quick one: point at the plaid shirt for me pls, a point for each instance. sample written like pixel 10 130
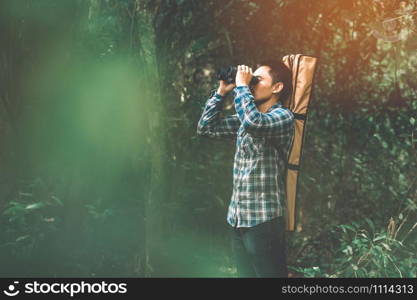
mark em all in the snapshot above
pixel 263 142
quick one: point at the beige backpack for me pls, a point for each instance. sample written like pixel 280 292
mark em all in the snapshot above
pixel 303 68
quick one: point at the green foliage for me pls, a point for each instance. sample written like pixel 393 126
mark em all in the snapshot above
pixel 30 219
pixel 373 254
pixel 360 250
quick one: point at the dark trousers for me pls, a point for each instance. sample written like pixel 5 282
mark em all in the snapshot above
pixel 260 251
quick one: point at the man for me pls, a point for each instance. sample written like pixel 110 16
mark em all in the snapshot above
pixel 264 131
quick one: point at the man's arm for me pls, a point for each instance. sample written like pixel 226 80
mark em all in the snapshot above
pixel 278 123
pixel 210 123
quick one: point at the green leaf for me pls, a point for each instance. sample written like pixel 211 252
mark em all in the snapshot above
pixel 412 121
pixel 35 205
pixel 378 238
pixel 364 235
pixel 386 246
pixel 25 194
pixel 21 238
pixel 349 227
pixel 371 225
pixel 57 200
pixel 394 192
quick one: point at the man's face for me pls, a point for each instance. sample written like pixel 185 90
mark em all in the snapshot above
pixel 264 90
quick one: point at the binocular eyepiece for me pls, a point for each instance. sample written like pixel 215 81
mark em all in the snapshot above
pixel 228 74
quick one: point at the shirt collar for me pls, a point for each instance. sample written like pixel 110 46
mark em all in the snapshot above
pixel 276 105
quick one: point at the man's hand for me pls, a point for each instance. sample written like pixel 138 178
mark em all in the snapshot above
pixel 224 88
pixel 243 75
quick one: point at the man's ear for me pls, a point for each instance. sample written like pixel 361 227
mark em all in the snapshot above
pixel 277 87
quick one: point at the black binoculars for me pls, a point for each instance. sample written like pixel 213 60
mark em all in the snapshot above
pixel 229 75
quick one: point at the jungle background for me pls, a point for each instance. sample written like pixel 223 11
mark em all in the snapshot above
pixel 103 175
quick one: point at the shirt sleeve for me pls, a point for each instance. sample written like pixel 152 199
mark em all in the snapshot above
pixel 278 123
pixel 212 125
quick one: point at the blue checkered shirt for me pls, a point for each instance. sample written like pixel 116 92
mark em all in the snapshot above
pixel 263 142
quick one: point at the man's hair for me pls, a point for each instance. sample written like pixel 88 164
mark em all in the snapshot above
pixel 279 73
